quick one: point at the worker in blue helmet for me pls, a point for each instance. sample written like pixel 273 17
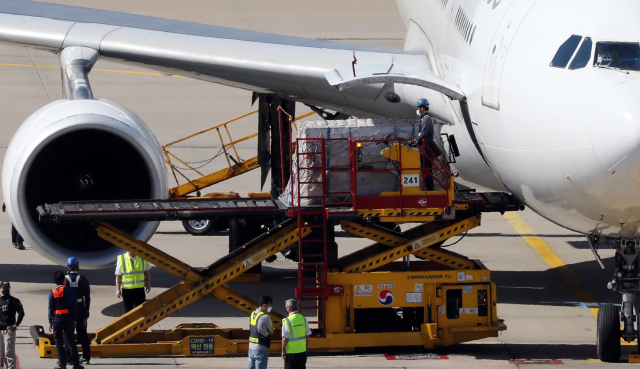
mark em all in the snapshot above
pixel 80 284
pixel 424 140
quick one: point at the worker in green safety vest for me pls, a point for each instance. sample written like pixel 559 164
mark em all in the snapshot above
pixel 295 337
pixel 132 279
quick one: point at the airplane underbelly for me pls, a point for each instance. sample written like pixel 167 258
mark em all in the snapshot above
pixel 571 188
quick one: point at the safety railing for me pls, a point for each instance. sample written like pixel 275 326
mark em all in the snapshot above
pixel 191 172
pixel 226 147
pixel 324 175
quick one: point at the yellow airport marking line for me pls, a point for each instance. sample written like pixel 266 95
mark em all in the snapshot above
pixel 591 361
pixel 96 70
pixel 552 259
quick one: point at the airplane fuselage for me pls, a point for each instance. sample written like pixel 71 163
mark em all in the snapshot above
pixel 563 139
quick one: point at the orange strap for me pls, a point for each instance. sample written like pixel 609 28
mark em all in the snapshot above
pixel 58 293
pixel 59 312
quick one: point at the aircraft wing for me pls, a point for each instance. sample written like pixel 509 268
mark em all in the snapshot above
pixel 293 67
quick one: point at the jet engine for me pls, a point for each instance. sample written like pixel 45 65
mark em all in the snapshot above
pixel 75 150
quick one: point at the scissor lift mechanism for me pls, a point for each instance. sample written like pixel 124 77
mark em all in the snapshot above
pixel 452 297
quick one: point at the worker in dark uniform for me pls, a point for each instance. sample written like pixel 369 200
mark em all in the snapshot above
pixel 63 311
pixel 425 138
pixel 10 306
pixel 80 284
pixel 16 239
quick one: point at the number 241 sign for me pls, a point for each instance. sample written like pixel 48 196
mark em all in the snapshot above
pixel 409 180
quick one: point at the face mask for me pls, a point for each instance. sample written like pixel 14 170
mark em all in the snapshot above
pixel 269 309
pixel 418 112
pixel 5 292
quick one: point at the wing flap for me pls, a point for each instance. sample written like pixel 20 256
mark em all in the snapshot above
pixel 358 75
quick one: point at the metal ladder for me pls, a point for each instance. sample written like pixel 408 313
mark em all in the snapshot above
pixel 312 290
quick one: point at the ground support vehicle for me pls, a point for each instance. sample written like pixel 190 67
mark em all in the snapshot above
pixel 402 290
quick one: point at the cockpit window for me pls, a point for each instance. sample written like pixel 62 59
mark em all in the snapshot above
pixel 618 55
pixel 565 52
pixel 583 55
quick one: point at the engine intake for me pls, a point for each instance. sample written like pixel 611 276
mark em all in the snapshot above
pixel 74 151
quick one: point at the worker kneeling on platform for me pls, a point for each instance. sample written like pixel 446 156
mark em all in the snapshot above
pixel 132 278
pixel 63 312
pixel 260 328
pixel 10 306
pixel 295 336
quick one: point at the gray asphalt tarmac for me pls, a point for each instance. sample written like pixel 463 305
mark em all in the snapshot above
pixel 546 282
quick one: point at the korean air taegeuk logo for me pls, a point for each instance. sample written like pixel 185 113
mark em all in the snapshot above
pixel 385 297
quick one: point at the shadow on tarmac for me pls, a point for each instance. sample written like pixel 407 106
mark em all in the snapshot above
pixel 547 288
pixel 106 276
pixel 279 283
pixel 516 235
pixel 580 245
pixel 514 287
pixel 274 283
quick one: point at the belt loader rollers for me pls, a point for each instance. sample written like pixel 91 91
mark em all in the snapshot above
pixel 374 297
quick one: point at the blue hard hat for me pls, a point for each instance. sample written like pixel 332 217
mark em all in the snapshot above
pixel 422 102
pixel 72 261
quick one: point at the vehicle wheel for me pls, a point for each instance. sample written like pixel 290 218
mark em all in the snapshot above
pixel 198 227
pixel 608 337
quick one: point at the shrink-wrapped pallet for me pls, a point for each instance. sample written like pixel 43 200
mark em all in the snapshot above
pixel 337 158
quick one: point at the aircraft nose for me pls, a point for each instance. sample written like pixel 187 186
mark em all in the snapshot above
pixel 615 131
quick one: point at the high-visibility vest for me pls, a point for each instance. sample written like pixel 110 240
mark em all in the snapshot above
pixel 61 306
pixel 297 328
pixel 254 334
pixel 132 273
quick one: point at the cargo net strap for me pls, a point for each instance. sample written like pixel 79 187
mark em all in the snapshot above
pixel 307 159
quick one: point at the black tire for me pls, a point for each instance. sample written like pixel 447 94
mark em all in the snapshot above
pixel 199 227
pixel 608 336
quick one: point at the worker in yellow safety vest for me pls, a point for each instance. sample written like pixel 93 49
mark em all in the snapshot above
pixel 132 279
pixel 259 330
pixel 295 337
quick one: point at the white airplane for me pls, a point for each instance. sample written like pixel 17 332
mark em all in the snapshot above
pixel 539 94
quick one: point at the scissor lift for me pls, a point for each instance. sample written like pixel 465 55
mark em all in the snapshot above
pixel 375 297
pixel 126 335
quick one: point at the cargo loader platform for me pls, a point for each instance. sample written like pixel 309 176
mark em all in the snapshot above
pixel 402 290
pixel 159 210
pixel 467 202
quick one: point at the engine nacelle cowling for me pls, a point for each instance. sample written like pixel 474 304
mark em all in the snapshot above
pixel 74 151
